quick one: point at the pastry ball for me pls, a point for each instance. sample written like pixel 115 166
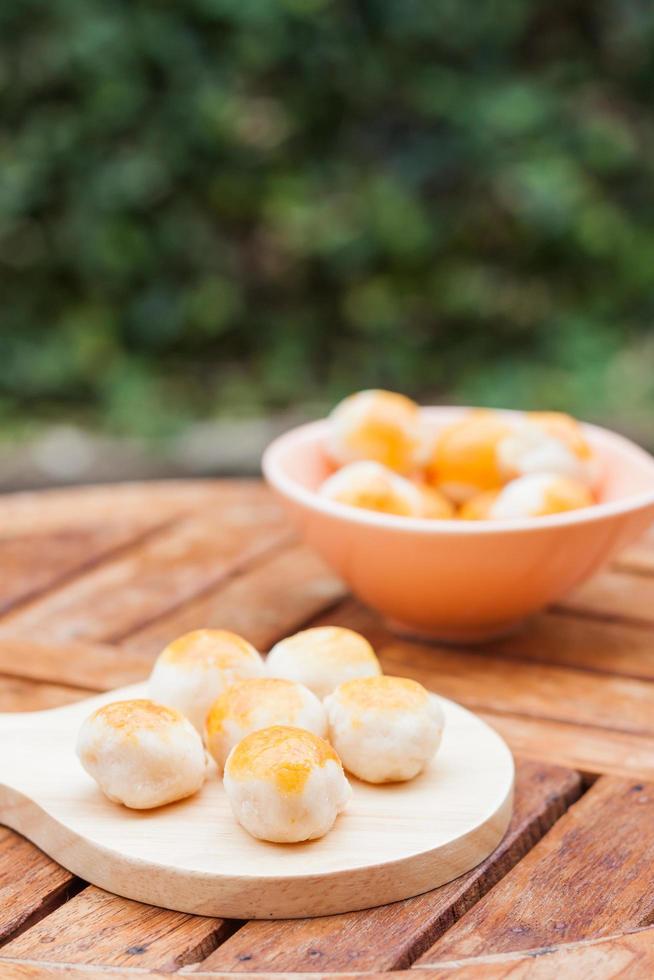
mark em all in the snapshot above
pixel 375 425
pixel 285 784
pixel 464 461
pixel 539 494
pixel 564 428
pixel 141 753
pixel 385 729
pixel 435 505
pixel 194 669
pixel 535 495
pixel 478 507
pixel 372 486
pixel 258 703
pixel 546 442
pixel 322 658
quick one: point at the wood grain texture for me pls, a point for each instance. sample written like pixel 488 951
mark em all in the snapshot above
pixel 615 595
pixel 263 604
pixel 388 938
pixel 638 557
pixel 31 564
pixel 11 969
pixel 98 928
pixel 574 641
pixel 590 876
pixel 192 856
pixel 30 883
pixel 588 748
pixel 18 694
pixel 168 569
pixel 136 504
pixel 91 666
pixel 626 956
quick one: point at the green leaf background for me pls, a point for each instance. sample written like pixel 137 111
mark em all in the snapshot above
pixel 231 206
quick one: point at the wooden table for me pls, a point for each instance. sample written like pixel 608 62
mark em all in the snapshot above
pixel 95 581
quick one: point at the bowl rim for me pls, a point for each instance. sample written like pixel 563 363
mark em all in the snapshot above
pixel 276 476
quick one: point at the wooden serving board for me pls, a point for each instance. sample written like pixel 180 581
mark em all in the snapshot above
pixel 393 841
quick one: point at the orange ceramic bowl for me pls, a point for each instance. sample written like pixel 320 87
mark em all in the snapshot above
pixel 462 580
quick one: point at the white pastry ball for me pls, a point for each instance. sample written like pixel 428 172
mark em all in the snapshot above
pixel 141 753
pixel 322 658
pixel 285 784
pixel 372 486
pixel 376 425
pixel 535 447
pixel 537 495
pixel 194 669
pixel 464 460
pixel 385 729
pixel 261 702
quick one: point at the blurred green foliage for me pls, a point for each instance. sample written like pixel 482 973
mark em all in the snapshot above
pixel 241 204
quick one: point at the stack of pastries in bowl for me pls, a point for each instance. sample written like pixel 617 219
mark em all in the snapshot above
pixel 487 465
pixel 280 732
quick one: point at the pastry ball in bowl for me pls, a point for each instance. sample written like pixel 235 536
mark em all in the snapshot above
pixel 373 486
pixel 322 658
pixel 141 753
pixel 285 784
pixel 385 729
pixel 535 495
pixel 195 668
pixel 376 425
pixel 261 702
pixel 548 442
pixel 434 504
pixel 465 459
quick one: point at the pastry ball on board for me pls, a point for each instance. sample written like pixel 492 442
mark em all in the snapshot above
pixel 322 658
pixel 375 425
pixel 464 461
pixel 261 702
pixel 547 442
pixel 141 753
pixel 285 784
pixel 385 729
pixel 195 668
pixel 539 494
pixel 372 486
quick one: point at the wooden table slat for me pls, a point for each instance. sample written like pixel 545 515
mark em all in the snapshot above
pixel 615 595
pixel 21 694
pixel 30 883
pixel 589 748
pixel 568 640
pixel 89 666
pixel 590 876
pixel 627 956
pixel 31 565
pixel 97 928
pixel 263 604
pixel 135 504
pixel 169 568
